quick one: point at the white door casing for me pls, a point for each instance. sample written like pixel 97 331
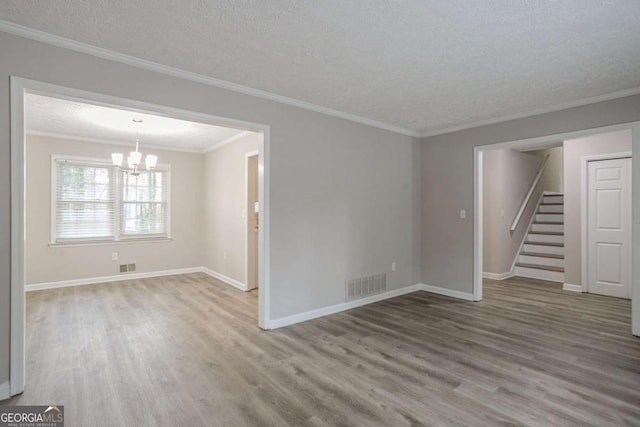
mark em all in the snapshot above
pixel 609 227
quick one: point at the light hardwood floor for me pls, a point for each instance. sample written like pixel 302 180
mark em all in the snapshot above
pixel 186 351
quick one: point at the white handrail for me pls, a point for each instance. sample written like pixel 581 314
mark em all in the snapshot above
pixel 529 193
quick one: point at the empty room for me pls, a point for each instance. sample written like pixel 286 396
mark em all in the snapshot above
pixel 302 213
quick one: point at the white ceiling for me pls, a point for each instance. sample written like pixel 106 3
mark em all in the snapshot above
pixel 54 116
pixel 422 65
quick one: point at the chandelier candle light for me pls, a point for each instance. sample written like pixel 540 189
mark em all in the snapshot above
pixel 135 157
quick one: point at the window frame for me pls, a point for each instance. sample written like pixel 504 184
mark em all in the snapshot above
pixel 117 194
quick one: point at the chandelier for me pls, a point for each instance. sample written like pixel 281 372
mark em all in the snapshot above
pixel 135 157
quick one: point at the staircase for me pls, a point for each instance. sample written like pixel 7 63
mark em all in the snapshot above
pixel 542 253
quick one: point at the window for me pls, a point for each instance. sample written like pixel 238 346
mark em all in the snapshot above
pixel 95 202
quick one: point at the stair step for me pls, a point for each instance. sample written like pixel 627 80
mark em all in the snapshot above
pixel 548 223
pixel 547 233
pixel 551 204
pixel 541 267
pixel 542 255
pixel 560 245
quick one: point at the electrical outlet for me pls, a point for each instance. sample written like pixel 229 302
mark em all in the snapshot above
pixel 114 256
pixel 394 266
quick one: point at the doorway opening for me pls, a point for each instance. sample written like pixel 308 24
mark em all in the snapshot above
pixel 542 212
pixel 159 213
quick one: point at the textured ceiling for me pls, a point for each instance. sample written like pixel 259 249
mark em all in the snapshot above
pixel 53 116
pixel 422 65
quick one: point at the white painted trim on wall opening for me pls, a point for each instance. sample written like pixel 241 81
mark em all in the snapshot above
pixel 540 142
pixel 584 214
pixel 18 88
pixel 247 216
pixel 5 390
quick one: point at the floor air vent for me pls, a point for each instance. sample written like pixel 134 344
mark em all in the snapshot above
pixel 365 286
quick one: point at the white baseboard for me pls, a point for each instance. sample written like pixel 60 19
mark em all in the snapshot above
pixel 5 390
pixel 572 288
pixel 228 280
pixel 497 276
pixel 447 292
pixel 336 308
pixel 106 279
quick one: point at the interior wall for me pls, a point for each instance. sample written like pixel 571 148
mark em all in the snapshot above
pixel 552 178
pixel 574 150
pixel 51 264
pixel 448 181
pixel 508 175
pixel 344 199
pixel 225 207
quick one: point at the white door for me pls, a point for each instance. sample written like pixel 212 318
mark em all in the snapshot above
pixel 609 228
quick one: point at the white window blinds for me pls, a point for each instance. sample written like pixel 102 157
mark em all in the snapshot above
pixel 144 209
pixel 84 201
pixel 93 201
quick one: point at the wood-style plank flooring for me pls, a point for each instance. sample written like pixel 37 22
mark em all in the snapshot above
pixel 186 351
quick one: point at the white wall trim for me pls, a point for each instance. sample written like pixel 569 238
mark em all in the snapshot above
pixel 579 103
pixel 5 390
pixel 447 292
pixel 65 43
pixel 226 279
pixel 539 142
pixel 497 276
pixel 248 214
pixel 227 141
pixel 584 208
pixel 107 142
pixel 108 279
pixel 572 288
pixel 635 230
pixel 343 306
pixel 18 88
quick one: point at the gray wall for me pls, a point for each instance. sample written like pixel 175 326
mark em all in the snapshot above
pixel 345 197
pixel 574 149
pixel 224 199
pixel 447 182
pixel 508 175
pixel 553 176
pixel 52 264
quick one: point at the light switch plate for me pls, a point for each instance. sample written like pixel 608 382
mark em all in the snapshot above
pixel 463 214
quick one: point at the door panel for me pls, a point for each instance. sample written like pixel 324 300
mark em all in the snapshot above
pixel 609 228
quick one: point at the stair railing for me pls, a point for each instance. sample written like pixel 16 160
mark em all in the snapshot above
pixel 532 188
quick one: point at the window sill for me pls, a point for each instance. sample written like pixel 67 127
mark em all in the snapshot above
pixel 111 242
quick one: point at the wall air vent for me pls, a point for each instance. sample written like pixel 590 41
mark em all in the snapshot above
pixel 365 286
pixel 127 268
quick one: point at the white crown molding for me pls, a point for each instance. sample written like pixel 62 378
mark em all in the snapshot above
pixel 54 40
pixel 531 113
pixel 106 141
pixel 228 141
